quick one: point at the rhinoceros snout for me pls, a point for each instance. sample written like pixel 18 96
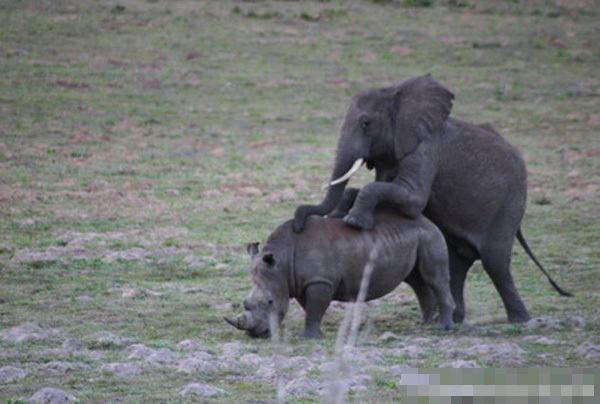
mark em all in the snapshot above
pixel 244 321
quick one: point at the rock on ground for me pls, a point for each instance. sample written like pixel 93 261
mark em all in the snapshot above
pixel 460 364
pixel 251 359
pixel 191 345
pixel 193 365
pixel 124 370
pixel 203 390
pixel 108 339
pixel 50 395
pixel 388 335
pixel 11 373
pixel 588 350
pixel 301 387
pixel 63 366
pixel 26 332
pixel 544 323
pixel 508 354
pixel 231 349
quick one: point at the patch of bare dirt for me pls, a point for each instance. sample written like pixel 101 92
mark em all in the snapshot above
pixel 27 332
pixel 50 395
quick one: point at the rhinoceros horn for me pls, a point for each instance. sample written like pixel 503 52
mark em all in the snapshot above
pixel 243 321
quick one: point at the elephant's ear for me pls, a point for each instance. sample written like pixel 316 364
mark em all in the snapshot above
pixel 420 106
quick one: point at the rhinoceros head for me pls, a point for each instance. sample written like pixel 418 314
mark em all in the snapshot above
pixel 268 302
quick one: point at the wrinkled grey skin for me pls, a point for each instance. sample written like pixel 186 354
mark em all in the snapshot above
pixel 466 179
pixel 326 263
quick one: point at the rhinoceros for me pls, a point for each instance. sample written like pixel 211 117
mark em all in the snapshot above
pixel 326 262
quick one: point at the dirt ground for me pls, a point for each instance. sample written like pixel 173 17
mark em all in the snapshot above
pixel 143 143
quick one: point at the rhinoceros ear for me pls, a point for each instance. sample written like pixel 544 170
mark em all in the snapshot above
pixel 269 259
pixel 252 249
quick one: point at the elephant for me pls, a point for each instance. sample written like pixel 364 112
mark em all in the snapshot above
pixel 328 262
pixel 465 178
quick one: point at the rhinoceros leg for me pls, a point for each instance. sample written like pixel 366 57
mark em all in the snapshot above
pixel 317 297
pixel 424 294
pixel 434 269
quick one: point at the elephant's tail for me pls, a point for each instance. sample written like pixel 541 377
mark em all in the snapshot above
pixel 525 246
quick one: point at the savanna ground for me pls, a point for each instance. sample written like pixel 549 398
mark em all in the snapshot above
pixel 143 143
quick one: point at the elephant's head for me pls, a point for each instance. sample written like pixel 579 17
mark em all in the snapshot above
pixel 382 126
pixel 268 302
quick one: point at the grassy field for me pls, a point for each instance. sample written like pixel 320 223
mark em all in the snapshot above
pixel 144 142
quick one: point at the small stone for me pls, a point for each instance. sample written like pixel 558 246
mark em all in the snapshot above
pixel 502 348
pixel 412 351
pixel 26 332
pixel 124 370
pixel 138 351
pixel 222 305
pixel 49 395
pixel 249 191
pixel 201 355
pixel 301 387
pixel 106 339
pixel 73 343
pixel 63 366
pixel 232 349
pixel 191 345
pixel 388 335
pixel 460 364
pixel 397 370
pixel 162 357
pixel 228 365
pixel 203 390
pixel 193 365
pixel 11 373
pixel 588 350
pixel 267 370
pixel 211 193
pixel 543 323
pixel 251 359
pixel 547 341
pixel 575 321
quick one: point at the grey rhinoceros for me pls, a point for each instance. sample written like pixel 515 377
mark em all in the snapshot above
pixel 327 260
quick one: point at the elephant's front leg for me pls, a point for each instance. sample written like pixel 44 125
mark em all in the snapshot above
pixel 409 203
pixel 345 204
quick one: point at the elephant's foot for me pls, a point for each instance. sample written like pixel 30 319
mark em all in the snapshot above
pixel 458 316
pixel 446 325
pixel 362 222
pixel 307 333
pixel 336 214
pixel 521 317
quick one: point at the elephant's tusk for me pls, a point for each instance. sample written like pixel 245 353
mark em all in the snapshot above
pixel 359 162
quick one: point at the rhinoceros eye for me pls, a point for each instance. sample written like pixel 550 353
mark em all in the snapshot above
pixel 269 259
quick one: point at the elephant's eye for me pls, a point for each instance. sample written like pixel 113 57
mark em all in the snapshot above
pixel 364 124
pixel 270 302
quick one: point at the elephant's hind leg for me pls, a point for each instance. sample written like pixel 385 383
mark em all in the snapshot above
pixel 459 266
pixel 495 258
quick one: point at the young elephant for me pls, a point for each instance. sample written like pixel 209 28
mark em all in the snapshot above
pixel 326 262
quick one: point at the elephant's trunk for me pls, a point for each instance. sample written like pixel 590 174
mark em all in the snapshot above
pixel 346 165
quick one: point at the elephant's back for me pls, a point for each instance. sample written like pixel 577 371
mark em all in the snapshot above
pixel 481 181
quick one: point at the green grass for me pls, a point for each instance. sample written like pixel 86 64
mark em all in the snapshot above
pixel 181 130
